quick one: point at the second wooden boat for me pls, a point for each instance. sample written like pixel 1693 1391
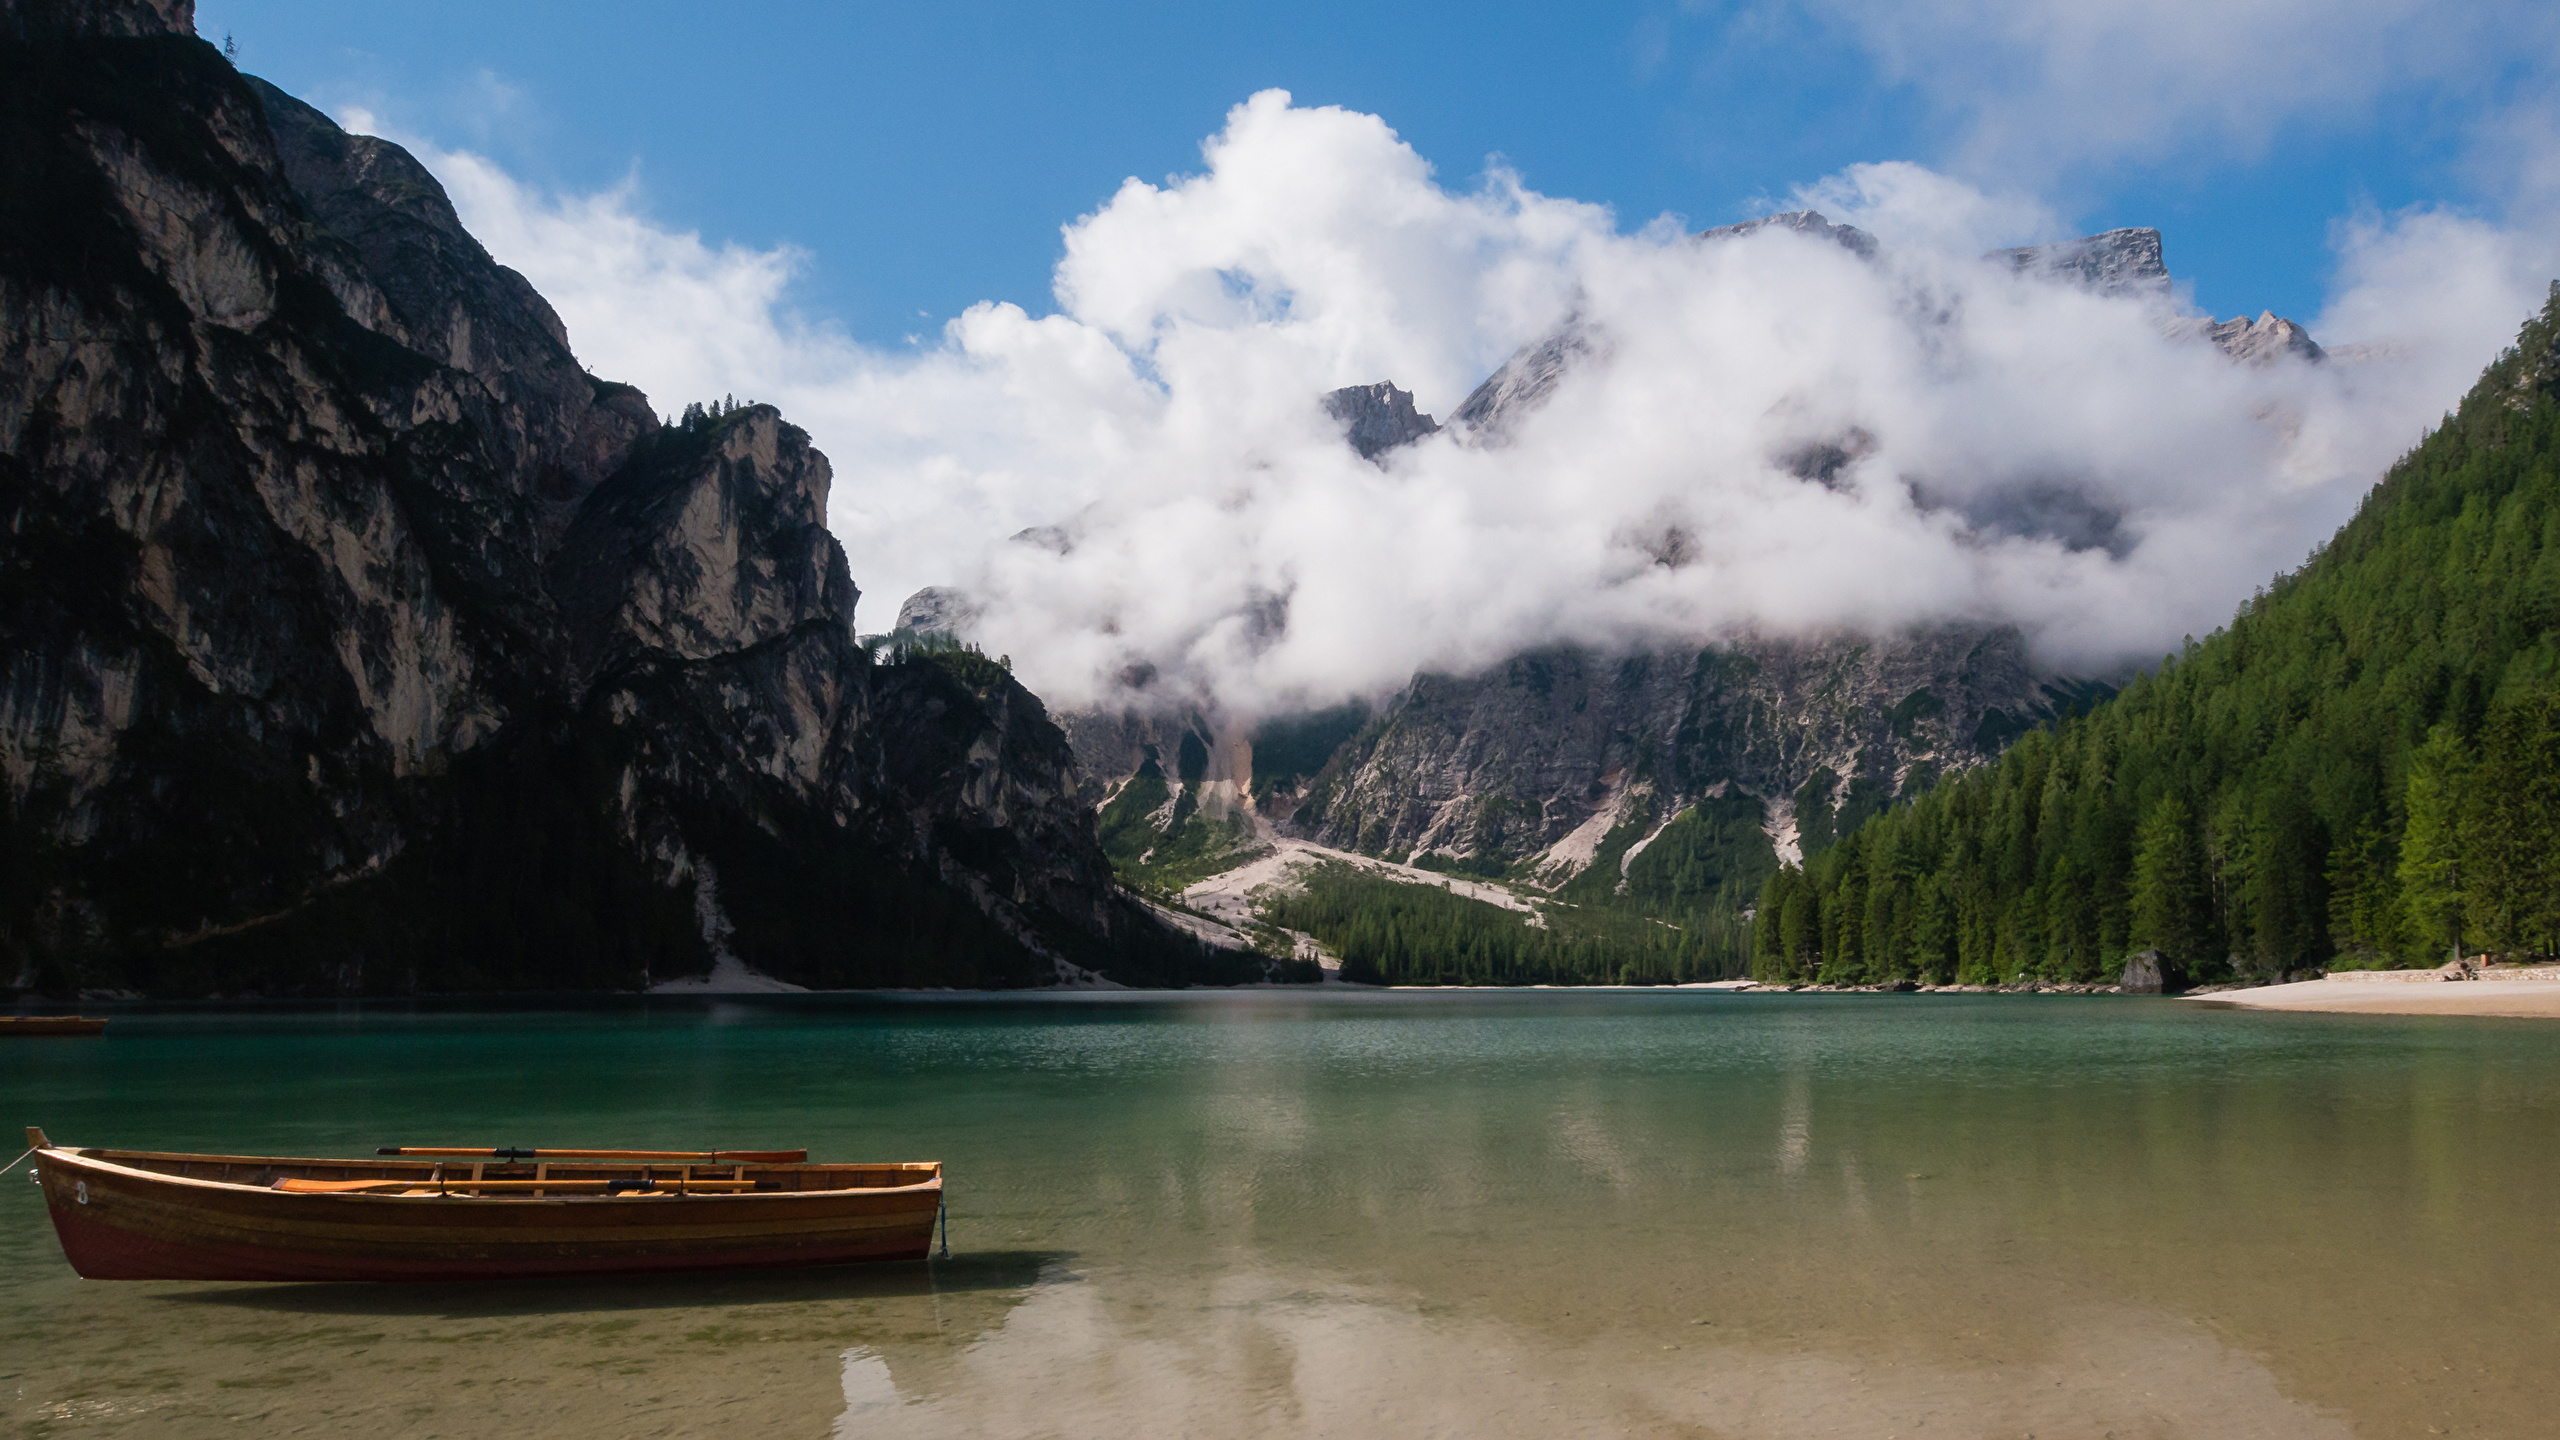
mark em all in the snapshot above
pixel 474 1215
pixel 50 1025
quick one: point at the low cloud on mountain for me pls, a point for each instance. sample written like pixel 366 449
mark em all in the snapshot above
pixel 1991 445
pixel 2041 87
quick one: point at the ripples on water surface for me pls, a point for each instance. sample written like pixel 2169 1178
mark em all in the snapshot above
pixel 1479 1214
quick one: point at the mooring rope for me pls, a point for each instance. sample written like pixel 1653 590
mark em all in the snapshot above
pixel 942 1213
pixel 23 1154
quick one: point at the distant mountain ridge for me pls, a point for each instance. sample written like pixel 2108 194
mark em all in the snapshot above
pixel 1559 764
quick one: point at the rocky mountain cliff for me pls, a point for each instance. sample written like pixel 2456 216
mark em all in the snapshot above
pixel 356 639
pixel 1378 418
pixel 1561 757
pixel 2130 261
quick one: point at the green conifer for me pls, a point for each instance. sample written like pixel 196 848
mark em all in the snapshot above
pixel 2431 878
pixel 2171 901
pixel 2511 827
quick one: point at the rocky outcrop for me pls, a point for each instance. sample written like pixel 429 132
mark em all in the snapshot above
pixel 2112 262
pixel 356 639
pixel 441 295
pixel 1524 382
pixel 1378 418
pixel 1544 757
pixel 1111 745
pixel 1808 223
pixel 2148 972
pixel 938 610
pixel 2263 341
pixel 711 541
pixel 2132 262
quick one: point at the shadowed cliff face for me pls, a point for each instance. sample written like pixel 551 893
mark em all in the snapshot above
pixel 356 639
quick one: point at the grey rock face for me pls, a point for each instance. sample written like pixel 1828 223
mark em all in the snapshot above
pixel 1111 744
pixel 2131 262
pixel 1523 383
pixel 1506 764
pixel 1378 418
pixel 356 639
pixel 2069 514
pixel 2263 341
pixel 440 294
pixel 938 610
pixel 715 543
pixel 2113 262
pixel 2147 972
pixel 1803 222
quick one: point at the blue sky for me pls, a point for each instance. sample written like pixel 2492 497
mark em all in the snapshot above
pixel 925 157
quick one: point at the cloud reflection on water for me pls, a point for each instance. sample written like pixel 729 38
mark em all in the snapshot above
pixel 1271 1355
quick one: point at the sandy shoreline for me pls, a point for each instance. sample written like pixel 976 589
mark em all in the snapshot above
pixel 2529 999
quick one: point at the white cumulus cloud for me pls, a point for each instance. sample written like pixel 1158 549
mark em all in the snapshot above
pixel 2038 86
pixel 2006 448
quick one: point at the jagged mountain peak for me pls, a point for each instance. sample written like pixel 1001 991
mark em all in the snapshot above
pixel 2129 261
pixel 2132 262
pixel 2263 341
pixel 1809 223
pixel 2125 262
pixel 1378 418
pixel 1524 381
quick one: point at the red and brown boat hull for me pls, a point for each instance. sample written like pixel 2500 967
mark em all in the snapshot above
pixel 50 1025
pixel 119 1221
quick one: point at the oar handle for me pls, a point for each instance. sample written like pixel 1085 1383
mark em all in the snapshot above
pixel 696 1157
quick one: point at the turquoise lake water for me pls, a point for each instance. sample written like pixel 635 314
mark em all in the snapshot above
pixel 1461 1214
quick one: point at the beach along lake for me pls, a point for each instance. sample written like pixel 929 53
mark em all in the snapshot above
pixel 1407 1213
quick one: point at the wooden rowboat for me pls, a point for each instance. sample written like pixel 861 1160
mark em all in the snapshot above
pixel 506 1214
pixel 50 1025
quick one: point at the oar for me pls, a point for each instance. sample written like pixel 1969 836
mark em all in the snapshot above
pixel 696 1157
pixel 295 1185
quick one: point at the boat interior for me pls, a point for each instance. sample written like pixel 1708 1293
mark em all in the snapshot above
pixel 535 1178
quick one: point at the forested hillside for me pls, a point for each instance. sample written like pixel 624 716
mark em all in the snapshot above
pixel 2363 769
pixel 1390 933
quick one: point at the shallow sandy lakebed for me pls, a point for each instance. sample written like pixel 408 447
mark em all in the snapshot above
pixel 2537 999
